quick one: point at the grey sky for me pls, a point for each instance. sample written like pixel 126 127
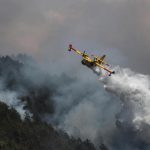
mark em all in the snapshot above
pixel 45 28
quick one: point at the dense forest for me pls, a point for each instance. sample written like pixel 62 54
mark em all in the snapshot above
pixel 16 134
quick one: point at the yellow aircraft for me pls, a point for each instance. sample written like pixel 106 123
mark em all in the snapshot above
pixel 89 62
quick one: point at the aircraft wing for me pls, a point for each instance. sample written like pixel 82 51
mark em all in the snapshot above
pixel 103 67
pixel 77 51
pixel 83 54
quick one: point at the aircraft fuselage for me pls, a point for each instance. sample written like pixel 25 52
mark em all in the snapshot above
pixel 87 63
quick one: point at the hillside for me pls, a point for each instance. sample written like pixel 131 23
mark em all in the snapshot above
pixel 16 134
pixel 34 91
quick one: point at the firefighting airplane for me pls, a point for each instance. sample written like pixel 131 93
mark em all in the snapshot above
pixel 89 62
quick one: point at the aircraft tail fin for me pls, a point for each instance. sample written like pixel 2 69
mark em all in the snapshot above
pixel 103 57
pixel 70 47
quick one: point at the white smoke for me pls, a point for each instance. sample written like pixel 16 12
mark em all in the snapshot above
pixel 11 98
pixel 133 90
pixel 82 109
pixel 88 111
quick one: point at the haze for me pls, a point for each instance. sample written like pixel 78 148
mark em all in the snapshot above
pixel 45 28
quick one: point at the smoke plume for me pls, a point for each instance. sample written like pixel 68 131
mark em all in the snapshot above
pixel 118 117
pixel 113 111
pixel 133 120
pixel 12 100
pixel 133 90
pixel 24 86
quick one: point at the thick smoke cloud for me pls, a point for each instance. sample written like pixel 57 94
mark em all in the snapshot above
pixel 134 91
pixel 82 109
pixel 116 114
pixel 24 86
pixel 118 117
pixel 44 28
